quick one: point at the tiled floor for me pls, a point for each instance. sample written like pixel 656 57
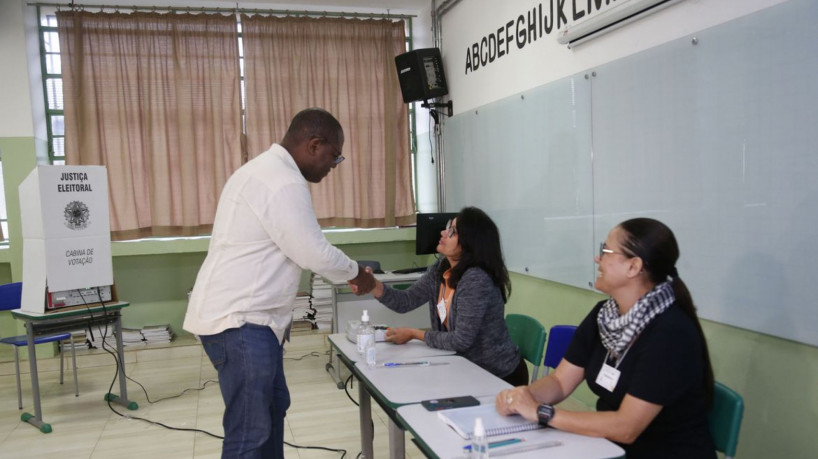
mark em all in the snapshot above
pixel 84 427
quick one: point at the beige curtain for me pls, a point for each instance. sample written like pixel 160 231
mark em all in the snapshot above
pixel 156 99
pixel 347 67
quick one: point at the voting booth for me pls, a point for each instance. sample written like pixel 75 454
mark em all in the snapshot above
pixel 66 238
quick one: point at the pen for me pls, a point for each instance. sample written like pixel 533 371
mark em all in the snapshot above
pixel 495 444
pixel 407 364
pixel 526 447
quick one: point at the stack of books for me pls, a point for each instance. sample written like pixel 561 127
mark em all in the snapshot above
pixel 322 302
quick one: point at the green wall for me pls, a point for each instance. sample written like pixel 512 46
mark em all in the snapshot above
pixel 156 285
pixel 777 378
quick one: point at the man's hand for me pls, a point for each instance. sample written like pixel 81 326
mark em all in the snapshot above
pixel 364 282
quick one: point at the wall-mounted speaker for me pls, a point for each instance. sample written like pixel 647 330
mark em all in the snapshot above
pixel 420 73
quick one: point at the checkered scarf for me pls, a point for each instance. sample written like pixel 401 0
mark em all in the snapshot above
pixel 617 331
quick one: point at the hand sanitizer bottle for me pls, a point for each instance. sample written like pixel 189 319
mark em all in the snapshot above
pixel 365 333
pixel 371 359
pixel 479 443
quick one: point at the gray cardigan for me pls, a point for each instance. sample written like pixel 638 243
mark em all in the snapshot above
pixel 476 318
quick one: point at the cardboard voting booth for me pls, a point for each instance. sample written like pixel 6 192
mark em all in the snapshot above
pixel 66 234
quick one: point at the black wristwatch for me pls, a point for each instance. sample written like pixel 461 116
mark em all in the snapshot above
pixel 545 413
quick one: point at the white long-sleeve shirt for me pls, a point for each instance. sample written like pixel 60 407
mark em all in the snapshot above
pixel 264 233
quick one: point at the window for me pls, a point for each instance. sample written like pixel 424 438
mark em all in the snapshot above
pixel 52 89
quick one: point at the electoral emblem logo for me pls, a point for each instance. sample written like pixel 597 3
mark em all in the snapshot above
pixel 77 215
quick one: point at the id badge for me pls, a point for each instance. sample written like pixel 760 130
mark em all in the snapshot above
pixel 608 377
pixel 441 310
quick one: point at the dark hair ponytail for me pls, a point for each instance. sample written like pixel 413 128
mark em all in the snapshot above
pixel 653 242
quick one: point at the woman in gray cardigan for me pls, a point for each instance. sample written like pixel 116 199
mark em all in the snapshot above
pixel 466 290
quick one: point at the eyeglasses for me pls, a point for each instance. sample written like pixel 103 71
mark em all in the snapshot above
pixel 337 158
pixel 450 229
pixel 603 250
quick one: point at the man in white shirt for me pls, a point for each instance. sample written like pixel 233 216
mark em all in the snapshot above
pixel 264 234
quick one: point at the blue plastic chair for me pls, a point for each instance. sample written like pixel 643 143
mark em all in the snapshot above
pixel 559 337
pixel 725 419
pixel 10 297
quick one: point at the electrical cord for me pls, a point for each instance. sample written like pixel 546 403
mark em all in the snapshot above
pixel 346 390
pixel 311 354
pixel 322 448
pixel 147 397
pixel 431 148
pixel 106 348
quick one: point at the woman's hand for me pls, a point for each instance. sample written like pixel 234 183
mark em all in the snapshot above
pixel 517 401
pixel 401 335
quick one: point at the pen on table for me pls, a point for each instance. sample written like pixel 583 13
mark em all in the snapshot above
pixel 407 364
pixel 526 447
pixel 495 444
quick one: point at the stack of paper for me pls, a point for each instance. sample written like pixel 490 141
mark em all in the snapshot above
pixel 322 302
pixel 94 337
pixel 132 337
pixel 80 338
pixel 303 313
pixel 157 334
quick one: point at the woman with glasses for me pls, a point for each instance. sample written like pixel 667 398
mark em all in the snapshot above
pixel 466 290
pixel 642 351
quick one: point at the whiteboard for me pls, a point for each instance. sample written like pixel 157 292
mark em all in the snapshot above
pixel 718 139
pixel 525 160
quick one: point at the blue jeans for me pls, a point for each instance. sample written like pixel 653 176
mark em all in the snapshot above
pixel 251 377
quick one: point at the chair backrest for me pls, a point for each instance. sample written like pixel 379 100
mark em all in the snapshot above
pixel 559 337
pixel 529 335
pixel 725 418
pixel 10 296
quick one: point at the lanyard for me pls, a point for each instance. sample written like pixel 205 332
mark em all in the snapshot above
pixel 622 357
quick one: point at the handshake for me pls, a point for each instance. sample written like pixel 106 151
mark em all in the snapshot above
pixel 365 283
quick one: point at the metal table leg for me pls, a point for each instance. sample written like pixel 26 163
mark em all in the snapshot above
pixel 333 369
pixel 397 441
pixel 365 413
pixel 37 419
pixel 122 399
pixel 74 362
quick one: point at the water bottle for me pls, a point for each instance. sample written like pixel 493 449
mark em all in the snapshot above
pixel 366 332
pixel 479 442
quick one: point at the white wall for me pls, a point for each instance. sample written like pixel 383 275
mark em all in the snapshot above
pixel 544 60
pixel 16 91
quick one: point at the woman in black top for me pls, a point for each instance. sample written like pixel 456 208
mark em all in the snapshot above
pixel 642 352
